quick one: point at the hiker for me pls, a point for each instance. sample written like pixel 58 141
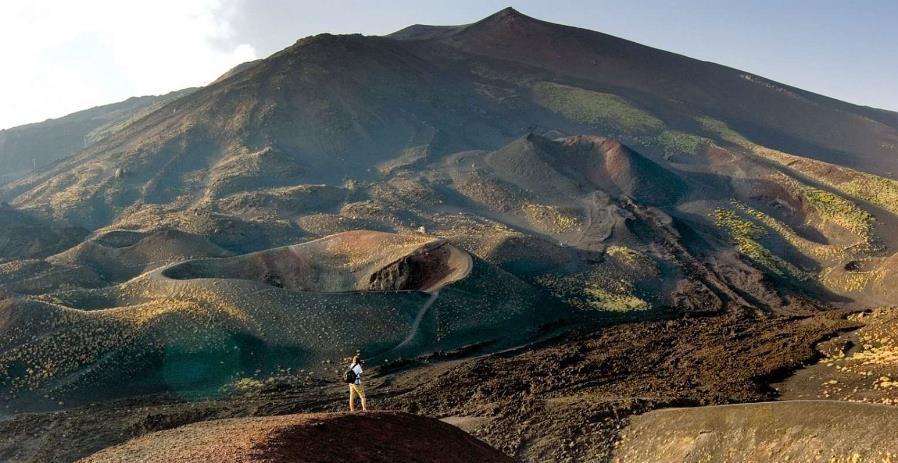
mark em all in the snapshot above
pixel 353 377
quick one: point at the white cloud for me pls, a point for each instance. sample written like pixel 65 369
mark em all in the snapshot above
pixel 60 56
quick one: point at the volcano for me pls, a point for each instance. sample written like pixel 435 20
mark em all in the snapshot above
pixel 534 228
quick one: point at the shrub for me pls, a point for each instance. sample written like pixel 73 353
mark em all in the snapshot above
pixel 595 108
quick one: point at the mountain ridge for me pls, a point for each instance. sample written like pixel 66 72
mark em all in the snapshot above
pixel 39 144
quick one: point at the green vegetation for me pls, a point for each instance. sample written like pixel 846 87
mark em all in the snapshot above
pixel 550 219
pixel 608 110
pixel 676 142
pixel 839 210
pixel 868 187
pixel 632 262
pixel 738 227
pixel 599 289
pixel 878 190
pixel 844 282
pixel 596 108
pixel 602 299
pixel 860 185
pixel 816 250
pixel 722 130
pixel 745 234
pixel 831 207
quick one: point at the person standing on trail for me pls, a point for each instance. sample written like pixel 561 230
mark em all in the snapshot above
pixel 353 377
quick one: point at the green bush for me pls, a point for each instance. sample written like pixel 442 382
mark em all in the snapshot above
pixel 676 142
pixel 596 108
pixel 745 234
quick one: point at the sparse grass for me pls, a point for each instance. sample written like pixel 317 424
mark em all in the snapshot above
pixel 839 210
pixel 597 289
pixel 868 373
pixel 486 189
pixel 861 185
pixel 676 142
pixel 736 226
pixel 633 262
pixel 245 385
pixel 844 282
pixel 406 191
pixel 817 251
pixel 878 190
pixel 722 130
pixel 868 187
pixel 625 255
pixel 602 299
pixel 550 219
pixel 745 234
pixel 260 382
pixel 477 235
pixel 596 108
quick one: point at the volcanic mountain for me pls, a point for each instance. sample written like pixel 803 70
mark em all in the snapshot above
pixel 584 211
pixel 331 108
pixel 763 110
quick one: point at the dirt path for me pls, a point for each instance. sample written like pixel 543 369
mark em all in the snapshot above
pixel 413 331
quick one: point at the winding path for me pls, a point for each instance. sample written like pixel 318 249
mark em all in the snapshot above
pixel 413 331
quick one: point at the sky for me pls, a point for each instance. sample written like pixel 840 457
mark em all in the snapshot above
pixel 63 56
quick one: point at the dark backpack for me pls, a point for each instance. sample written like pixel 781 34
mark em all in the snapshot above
pixel 349 376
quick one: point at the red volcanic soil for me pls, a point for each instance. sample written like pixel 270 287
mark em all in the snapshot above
pixel 314 438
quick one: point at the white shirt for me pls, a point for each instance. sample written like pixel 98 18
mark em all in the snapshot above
pixel 357 369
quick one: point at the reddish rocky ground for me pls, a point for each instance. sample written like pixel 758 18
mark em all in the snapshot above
pixel 315 438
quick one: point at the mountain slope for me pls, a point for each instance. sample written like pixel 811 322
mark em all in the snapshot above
pixel 466 130
pixel 331 108
pixel 40 144
pixel 25 236
pixel 327 108
pixel 775 114
pixel 615 228
pixel 342 132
